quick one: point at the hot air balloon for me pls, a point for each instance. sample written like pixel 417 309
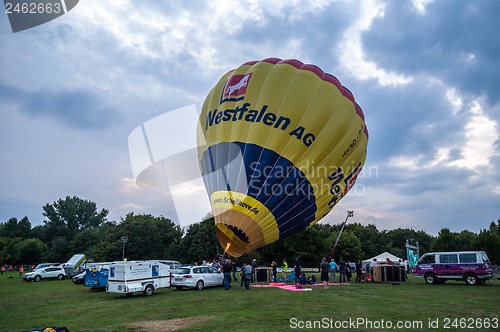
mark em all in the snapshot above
pixel 280 143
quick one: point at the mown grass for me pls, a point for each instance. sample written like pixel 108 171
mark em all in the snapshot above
pixel 61 303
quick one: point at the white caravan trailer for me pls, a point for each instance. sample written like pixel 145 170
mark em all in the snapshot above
pixel 138 276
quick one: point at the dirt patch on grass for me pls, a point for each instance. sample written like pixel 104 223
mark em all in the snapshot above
pixel 169 324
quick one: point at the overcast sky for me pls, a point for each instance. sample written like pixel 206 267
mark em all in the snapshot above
pixel 426 74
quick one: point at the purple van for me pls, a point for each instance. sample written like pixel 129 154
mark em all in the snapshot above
pixel 473 267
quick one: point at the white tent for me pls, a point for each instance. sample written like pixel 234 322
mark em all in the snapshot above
pixel 382 258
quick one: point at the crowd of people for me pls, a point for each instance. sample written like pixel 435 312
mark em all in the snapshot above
pixel 229 269
pixel 12 268
pixel 328 271
pixel 294 274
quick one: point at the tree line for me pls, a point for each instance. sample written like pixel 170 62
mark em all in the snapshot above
pixel 73 225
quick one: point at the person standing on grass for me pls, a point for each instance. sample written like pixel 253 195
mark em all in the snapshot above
pixel 248 275
pixel 274 265
pixel 372 266
pixel 348 270
pixel 254 265
pixel 324 268
pixel 358 271
pixel 284 270
pixel 233 269
pixel 297 269
pixel 333 270
pixel 242 275
pixel 21 271
pixel 226 269
pixel 342 270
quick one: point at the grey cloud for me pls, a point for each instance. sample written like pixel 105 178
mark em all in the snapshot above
pixel 410 120
pixel 440 43
pixel 78 108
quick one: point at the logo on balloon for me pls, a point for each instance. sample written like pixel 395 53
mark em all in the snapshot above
pixel 235 88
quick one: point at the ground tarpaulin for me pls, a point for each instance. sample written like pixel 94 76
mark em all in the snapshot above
pixel 293 288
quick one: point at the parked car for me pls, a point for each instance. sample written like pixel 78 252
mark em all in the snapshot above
pixel 79 279
pixel 197 277
pixel 172 264
pixel 51 272
pixel 42 265
pixel 473 267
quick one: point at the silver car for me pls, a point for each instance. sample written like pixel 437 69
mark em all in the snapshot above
pixel 51 272
pixel 197 277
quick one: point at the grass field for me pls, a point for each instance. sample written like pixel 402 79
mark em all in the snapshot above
pixel 373 306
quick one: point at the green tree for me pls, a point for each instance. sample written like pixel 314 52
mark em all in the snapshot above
pixel 495 228
pixel 445 241
pixel 394 241
pixel 465 240
pixel 66 217
pixel 59 250
pixel 40 232
pixel 85 239
pixel 14 228
pixel 149 237
pixel 308 245
pixel 349 246
pixel 371 240
pixel 489 241
pixel 31 251
pixel 200 242
pixel 7 250
pixel 424 241
pixel 105 251
pixel 274 252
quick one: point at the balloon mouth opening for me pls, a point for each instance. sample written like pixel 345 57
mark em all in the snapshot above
pixel 238 239
pixel 239 233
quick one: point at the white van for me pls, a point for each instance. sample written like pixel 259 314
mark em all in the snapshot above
pixel 473 267
pixel 138 276
pixel 173 264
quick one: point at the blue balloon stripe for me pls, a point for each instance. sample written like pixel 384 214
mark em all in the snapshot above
pixel 269 178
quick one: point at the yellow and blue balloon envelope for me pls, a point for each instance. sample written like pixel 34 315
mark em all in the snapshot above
pixel 280 143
